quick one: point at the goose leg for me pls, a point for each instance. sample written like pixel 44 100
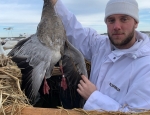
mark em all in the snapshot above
pixel 46 88
pixel 63 81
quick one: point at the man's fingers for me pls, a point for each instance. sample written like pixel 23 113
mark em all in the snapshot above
pixel 85 87
pixel 79 91
pixel 85 79
pixel 80 87
pixel 53 2
pixel 82 82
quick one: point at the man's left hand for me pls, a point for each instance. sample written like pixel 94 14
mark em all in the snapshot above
pixel 86 87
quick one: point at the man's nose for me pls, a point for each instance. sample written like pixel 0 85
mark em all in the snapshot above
pixel 117 25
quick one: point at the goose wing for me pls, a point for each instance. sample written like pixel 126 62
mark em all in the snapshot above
pixel 73 64
pixel 34 59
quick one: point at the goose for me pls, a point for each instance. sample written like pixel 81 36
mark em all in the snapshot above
pixel 10 44
pixel 38 54
pixel 2 51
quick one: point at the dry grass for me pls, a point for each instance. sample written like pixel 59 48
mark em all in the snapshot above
pixel 12 99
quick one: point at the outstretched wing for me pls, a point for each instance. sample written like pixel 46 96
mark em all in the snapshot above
pixel 33 58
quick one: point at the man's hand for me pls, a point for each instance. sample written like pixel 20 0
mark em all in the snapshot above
pixel 85 87
pixel 53 1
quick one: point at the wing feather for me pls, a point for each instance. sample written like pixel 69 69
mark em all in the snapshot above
pixel 34 59
pixel 73 64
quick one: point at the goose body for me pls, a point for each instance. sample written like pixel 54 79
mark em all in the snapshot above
pixel 37 55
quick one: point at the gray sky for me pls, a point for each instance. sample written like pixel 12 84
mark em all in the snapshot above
pixel 24 15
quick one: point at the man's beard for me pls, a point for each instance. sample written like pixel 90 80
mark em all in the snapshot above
pixel 125 41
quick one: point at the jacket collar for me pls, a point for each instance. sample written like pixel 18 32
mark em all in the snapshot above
pixel 139 49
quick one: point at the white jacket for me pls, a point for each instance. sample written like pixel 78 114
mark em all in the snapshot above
pixel 122 77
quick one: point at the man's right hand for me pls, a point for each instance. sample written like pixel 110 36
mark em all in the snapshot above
pixel 53 1
pixel 86 87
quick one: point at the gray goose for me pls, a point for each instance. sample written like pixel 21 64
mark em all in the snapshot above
pixel 38 54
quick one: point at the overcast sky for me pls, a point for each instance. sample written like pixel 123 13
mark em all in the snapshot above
pixel 24 15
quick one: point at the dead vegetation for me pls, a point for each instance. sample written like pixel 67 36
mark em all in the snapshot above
pixel 12 99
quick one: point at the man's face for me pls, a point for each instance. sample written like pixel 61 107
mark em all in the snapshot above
pixel 121 30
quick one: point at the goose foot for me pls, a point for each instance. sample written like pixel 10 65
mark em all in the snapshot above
pixel 46 87
pixel 63 81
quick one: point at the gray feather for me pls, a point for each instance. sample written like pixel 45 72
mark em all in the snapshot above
pixel 38 54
